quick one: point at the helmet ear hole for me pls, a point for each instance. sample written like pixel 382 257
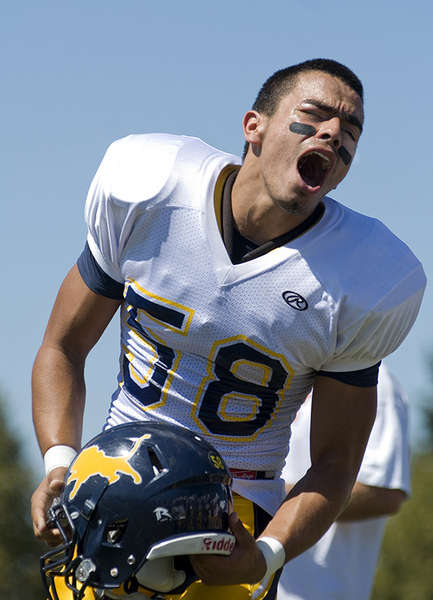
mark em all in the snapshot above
pixel 115 531
pixel 157 465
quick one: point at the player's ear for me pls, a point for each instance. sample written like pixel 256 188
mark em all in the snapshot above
pixel 253 127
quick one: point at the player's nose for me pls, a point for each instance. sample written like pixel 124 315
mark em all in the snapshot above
pixel 330 131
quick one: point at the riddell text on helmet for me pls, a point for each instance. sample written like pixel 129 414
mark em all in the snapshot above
pixel 223 545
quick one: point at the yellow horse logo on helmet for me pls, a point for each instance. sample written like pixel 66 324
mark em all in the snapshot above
pixel 93 461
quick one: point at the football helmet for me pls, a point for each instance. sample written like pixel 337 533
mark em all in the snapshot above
pixel 137 493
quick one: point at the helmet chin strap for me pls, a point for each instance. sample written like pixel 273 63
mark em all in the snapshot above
pixel 131 586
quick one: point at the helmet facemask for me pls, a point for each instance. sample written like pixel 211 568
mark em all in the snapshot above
pixel 62 561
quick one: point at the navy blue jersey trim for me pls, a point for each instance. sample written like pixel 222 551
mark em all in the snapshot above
pixel 95 278
pixel 162 313
pixel 362 378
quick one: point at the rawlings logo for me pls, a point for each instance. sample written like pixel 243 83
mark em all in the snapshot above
pixel 224 544
pixel 295 300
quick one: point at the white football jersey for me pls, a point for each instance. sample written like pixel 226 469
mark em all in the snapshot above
pixel 230 351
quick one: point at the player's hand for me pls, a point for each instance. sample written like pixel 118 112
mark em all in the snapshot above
pixel 245 564
pixel 50 487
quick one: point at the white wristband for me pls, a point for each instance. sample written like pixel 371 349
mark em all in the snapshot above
pixel 274 553
pixel 58 456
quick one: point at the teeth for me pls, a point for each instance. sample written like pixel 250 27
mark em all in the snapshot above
pixel 326 160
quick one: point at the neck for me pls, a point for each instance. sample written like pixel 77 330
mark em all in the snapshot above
pixel 257 215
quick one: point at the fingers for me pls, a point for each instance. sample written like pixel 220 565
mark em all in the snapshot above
pixel 244 565
pixel 211 568
pixel 52 537
pixel 56 487
pixel 39 500
pixel 237 528
pixel 49 488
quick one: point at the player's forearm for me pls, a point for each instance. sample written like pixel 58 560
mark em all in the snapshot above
pixel 311 506
pixel 58 391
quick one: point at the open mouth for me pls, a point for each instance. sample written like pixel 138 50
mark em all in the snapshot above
pixel 313 167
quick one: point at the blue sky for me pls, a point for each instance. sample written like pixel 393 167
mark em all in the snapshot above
pixel 76 76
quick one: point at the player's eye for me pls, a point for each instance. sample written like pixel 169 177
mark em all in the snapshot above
pixel 350 134
pixel 312 114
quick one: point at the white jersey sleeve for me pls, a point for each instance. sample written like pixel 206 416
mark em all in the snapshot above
pixel 384 287
pixel 134 170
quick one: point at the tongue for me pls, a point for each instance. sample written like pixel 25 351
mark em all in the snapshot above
pixel 310 169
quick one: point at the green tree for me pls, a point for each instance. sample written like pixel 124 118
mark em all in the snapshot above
pixel 19 550
pixel 405 569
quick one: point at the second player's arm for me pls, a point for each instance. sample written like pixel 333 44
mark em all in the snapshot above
pixel 369 502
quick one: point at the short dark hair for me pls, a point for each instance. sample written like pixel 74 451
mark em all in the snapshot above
pixel 283 81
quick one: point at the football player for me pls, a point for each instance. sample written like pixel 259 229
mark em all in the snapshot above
pixel 240 284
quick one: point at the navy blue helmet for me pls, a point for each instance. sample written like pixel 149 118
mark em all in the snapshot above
pixel 138 499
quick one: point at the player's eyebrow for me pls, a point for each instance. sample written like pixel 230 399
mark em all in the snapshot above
pixel 332 111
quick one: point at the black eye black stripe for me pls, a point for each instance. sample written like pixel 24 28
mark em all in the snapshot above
pixel 304 129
